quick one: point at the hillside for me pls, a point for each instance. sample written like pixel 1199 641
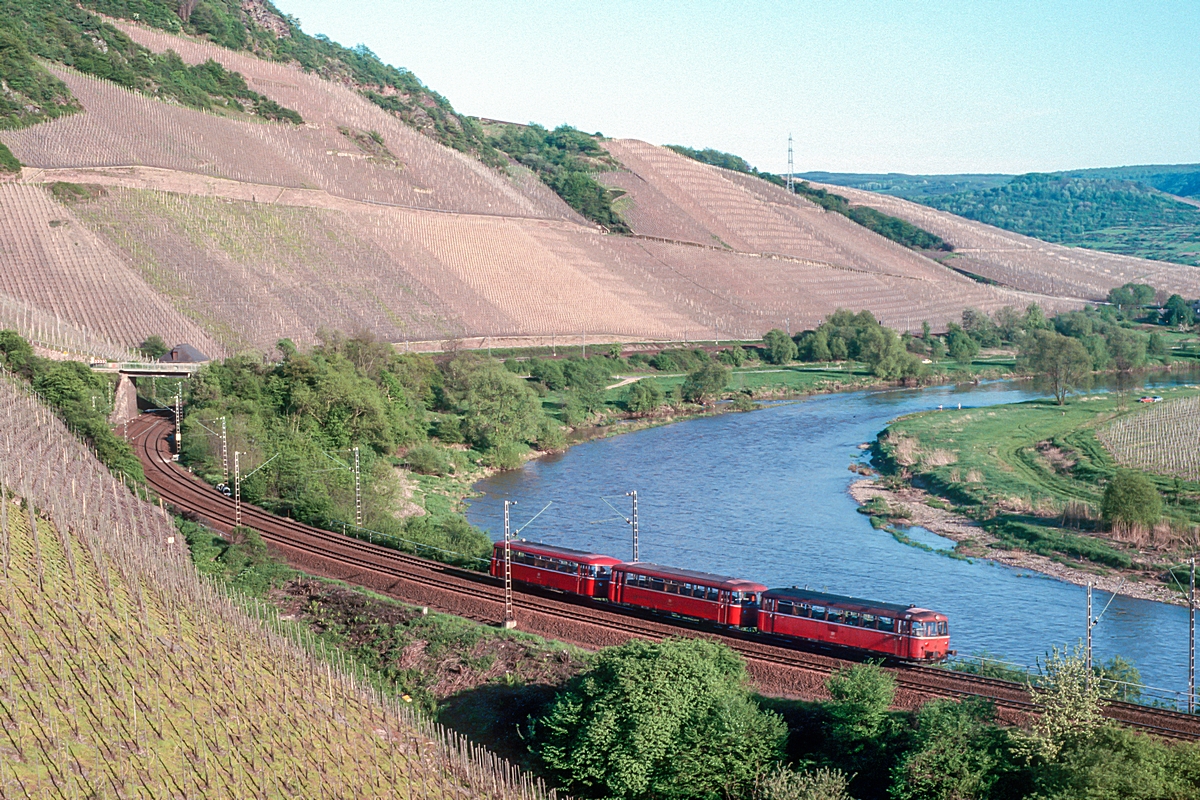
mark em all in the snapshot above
pixel 122 674
pixel 1116 216
pixel 1028 264
pixel 233 231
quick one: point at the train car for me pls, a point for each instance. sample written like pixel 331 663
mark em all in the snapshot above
pixel 701 595
pixel 905 632
pixel 574 571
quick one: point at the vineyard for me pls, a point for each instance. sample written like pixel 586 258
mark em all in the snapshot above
pixel 124 128
pixel 1030 264
pixel 68 290
pixel 125 675
pixel 1164 438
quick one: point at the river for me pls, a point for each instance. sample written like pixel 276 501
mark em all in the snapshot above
pixel 763 495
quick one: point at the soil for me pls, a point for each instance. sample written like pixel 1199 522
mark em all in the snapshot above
pixel 975 542
pixel 403 639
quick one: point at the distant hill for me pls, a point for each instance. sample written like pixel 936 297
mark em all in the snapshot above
pixel 1182 180
pixel 1127 210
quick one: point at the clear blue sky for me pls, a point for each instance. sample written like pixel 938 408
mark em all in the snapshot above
pixel 979 86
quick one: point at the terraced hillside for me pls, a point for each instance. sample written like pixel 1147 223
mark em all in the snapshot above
pixel 234 233
pixel 65 287
pixel 122 675
pixel 1028 264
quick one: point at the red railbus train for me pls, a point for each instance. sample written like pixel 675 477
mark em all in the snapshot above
pixel 701 595
pixel 907 632
pixel 903 632
pixel 574 571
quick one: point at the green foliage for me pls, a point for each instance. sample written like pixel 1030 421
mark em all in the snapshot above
pixel 956 751
pixel 961 346
pixel 154 347
pixel 233 24
pixel 34 95
pixel 59 31
pixel 819 784
pixel 860 337
pixel 672 719
pixel 1071 705
pixel 241 560
pixel 1131 295
pixel 79 396
pixel 643 397
pixel 858 711
pixel 426 459
pixel 1117 215
pixel 1115 763
pixel 1131 498
pixel 1060 360
pixel 778 347
pixel 565 160
pixel 496 407
pixel 706 383
pixel 898 230
pixel 732 356
pixel 8 162
pixel 1178 312
pixel 1047 540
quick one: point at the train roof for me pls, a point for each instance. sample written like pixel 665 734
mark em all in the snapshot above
pixel 560 552
pixel 706 578
pixel 847 602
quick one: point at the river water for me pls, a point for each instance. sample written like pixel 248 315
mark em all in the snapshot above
pixel 763 495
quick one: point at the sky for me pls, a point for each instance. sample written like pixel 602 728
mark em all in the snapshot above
pixel 916 87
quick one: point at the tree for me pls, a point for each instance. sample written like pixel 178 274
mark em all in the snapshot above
pixel 154 347
pixel 497 407
pixel 820 784
pixel 1072 703
pixel 881 349
pixel 707 382
pixel 643 396
pixel 1131 498
pixel 1178 312
pixel 671 719
pixel 778 347
pixel 1157 345
pixel 1060 360
pixel 814 346
pixel 1131 295
pixel 1128 349
pixel 956 752
pixel 960 345
pixel 861 697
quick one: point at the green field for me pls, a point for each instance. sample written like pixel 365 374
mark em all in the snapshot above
pixel 1034 473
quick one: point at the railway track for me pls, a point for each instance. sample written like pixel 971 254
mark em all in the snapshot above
pixel 783 670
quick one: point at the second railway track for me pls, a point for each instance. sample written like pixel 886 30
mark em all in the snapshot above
pixel 776 670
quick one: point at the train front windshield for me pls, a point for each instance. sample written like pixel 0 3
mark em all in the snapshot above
pixel 930 629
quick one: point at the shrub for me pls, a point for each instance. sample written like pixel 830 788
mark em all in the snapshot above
pixel 643 396
pixel 778 347
pixel 429 460
pixel 1131 498
pixel 706 383
pixel 509 455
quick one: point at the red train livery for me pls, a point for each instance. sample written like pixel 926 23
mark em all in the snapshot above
pixel 903 632
pixel 701 595
pixel 907 632
pixel 562 568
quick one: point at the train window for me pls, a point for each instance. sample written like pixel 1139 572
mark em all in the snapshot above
pixel 850 618
pixel 736 598
pixel 749 598
pixel 868 621
pixel 887 624
pixel 818 612
pixel 602 571
pixel 834 615
pixel 943 629
pixel 784 607
pixel 713 594
pixel 656 584
pixel 670 587
pixel 918 629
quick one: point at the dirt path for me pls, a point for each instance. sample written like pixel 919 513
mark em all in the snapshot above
pixel 974 542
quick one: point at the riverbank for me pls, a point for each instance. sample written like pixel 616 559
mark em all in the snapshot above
pixel 975 542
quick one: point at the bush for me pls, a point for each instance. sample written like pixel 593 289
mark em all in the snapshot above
pixel 706 383
pixel 643 396
pixel 429 460
pixel 1131 498
pixel 671 719
pixel 778 347
pixel 509 455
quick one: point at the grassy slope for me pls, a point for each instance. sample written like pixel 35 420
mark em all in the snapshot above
pixel 1021 465
pixel 100 695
